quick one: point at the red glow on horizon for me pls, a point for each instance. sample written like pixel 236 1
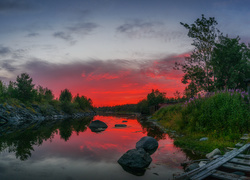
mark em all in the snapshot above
pixel 110 83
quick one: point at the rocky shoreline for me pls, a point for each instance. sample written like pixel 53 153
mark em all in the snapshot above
pixel 20 116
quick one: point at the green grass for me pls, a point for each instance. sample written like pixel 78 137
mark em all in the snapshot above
pixel 223 117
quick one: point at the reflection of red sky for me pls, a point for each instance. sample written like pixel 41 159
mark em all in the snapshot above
pixel 112 143
pixel 110 83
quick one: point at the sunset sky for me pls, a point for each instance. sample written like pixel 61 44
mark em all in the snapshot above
pixel 112 51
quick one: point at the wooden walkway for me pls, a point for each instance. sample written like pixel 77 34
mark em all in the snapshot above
pixel 234 159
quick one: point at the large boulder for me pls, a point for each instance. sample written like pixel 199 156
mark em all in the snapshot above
pixel 135 160
pixel 97 126
pixel 149 144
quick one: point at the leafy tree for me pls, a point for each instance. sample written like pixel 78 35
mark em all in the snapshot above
pixel 25 88
pixel 48 95
pixel 44 94
pixel 231 63
pixel 3 91
pixel 177 95
pixel 83 102
pixel 197 68
pixel 65 96
pixel 155 97
pixel 11 90
pixel 143 107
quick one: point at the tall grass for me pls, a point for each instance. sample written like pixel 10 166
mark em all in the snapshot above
pixel 219 114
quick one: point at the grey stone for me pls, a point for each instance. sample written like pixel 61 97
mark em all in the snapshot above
pixel 149 144
pixel 135 159
pixel 204 139
pixel 213 153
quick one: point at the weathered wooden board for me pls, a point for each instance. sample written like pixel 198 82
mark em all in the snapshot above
pixel 245 156
pixel 244 138
pixel 205 171
pixel 236 167
pixel 240 161
pixel 228 176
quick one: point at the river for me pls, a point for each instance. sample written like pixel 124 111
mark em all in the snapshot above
pixel 69 150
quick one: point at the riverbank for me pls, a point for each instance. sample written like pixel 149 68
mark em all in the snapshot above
pixel 208 121
pixel 20 116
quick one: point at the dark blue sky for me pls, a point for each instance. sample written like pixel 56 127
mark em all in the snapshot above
pixel 106 39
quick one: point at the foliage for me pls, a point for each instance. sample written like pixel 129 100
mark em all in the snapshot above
pixel 24 91
pixel 83 102
pixel 221 114
pixel 197 68
pixel 24 86
pixel 155 97
pixel 231 64
pixel 65 96
pixel 44 94
pixel 192 142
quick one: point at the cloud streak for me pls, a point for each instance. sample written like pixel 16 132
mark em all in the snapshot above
pixel 65 36
pixel 140 29
pixel 109 82
pixel 80 29
pixel 4 51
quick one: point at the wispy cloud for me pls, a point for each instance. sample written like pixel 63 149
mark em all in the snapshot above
pixel 140 29
pixel 8 65
pixel 83 28
pixel 4 51
pixel 32 35
pixel 79 29
pixel 65 36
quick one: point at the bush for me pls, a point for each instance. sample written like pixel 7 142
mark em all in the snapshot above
pixel 221 114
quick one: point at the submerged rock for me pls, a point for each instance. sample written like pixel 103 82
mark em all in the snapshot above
pixel 149 144
pixel 135 160
pixel 97 126
pixel 120 125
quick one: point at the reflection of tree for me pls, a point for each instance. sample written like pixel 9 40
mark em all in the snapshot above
pixel 80 125
pixel 65 130
pixel 152 130
pixel 23 142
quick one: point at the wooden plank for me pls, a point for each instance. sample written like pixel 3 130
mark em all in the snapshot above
pixel 205 171
pixel 228 176
pixel 245 156
pixel 244 138
pixel 236 167
pixel 240 161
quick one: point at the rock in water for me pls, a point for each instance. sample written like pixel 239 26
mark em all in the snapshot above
pixel 97 126
pixel 120 125
pixel 148 143
pixel 135 159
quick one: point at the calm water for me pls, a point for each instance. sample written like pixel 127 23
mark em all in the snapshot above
pixel 71 151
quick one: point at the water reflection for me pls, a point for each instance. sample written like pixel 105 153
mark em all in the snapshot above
pixel 70 150
pixel 22 142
